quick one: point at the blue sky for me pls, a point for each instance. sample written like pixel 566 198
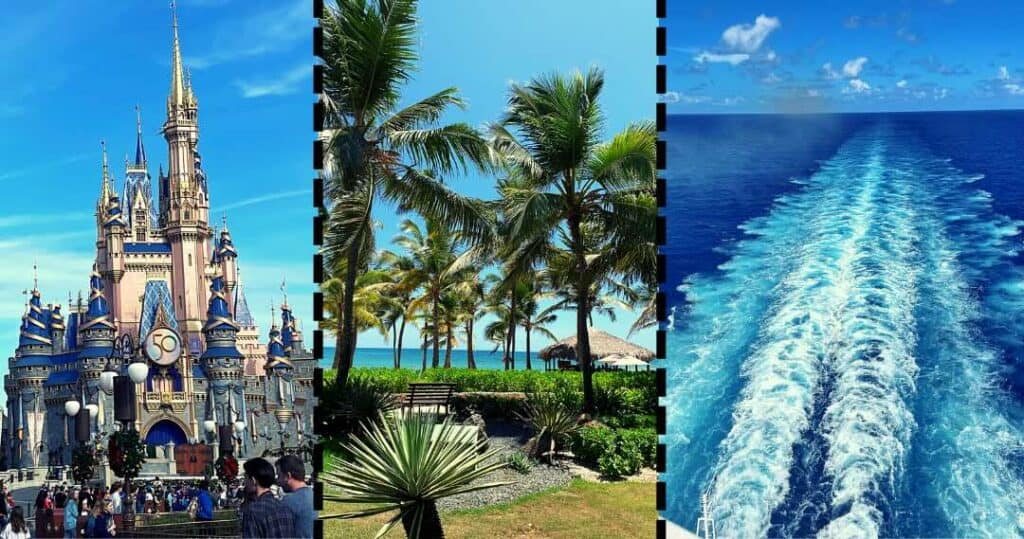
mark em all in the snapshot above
pixel 844 56
pixel 480 47
pixel 73 72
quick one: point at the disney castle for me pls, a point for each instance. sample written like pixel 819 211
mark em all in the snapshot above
pixel 168 280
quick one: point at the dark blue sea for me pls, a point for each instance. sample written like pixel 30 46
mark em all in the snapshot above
pixel 847 294
pixel 413 358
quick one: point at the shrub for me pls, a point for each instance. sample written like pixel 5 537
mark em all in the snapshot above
pixel 504 406
pixel 520 462
pixel 552 422
pixel 615 452
pixel 362 400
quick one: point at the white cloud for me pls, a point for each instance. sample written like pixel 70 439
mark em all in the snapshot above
pixel 771 78
pixel 811 92
pixel 1004 74
pixel 285 25
pixel 829 73
pixel 260 199
pixel 287 83
pixel 901 84
pixel 749 37
pixel 1014 89
pixel 670 97
pixel 853 67
pixel 715 58
pixel 857 86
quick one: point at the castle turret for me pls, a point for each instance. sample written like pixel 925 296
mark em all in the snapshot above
pixel 138 197
pixel 221 361
pixel 57 329
pixel 35 338
pixel 185 208
pixel 227 258
pixel 290 334
pixel 280 393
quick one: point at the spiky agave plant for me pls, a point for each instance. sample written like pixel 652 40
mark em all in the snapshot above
pixel 551 420
pixel 408 464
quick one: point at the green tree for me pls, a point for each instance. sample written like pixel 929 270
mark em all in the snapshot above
pixel 570 180
pixel 377 150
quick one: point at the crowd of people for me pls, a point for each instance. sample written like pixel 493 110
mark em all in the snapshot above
pixel 272 501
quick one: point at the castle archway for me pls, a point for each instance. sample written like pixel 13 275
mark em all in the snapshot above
pixel 165 431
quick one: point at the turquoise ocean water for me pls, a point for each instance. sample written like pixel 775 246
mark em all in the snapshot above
pixel 413 358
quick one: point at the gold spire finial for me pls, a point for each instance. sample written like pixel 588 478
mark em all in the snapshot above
pixel 138 121
pixel 105 189
pixel 177 96
pixel 35 275
pixel 224 221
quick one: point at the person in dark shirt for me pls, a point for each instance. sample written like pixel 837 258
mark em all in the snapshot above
pixel 291 476
pixel 265 516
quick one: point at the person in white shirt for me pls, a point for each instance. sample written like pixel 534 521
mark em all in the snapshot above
pixel 16 528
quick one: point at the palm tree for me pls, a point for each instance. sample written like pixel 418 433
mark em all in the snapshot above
pixel 401 293
pixel 407 465
pixel 433 272
pixel 472 298
pixel 569 180
pixel 376 150
pixel 371 302
pixel 533 318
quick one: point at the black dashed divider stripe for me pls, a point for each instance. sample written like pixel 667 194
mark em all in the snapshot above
pixel 318 348
pixel 318 154
pixel 319 115
pixel 661 230
pixel 318 193
pixel 318 78
pixel 318 268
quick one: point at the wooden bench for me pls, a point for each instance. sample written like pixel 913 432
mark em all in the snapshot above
pixel 432 398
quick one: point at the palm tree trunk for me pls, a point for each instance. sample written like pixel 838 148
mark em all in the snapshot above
pixel 430 527
pixel 401 331
pixel 529 366
pixel 448 349
pixel 582 312
pixel 470 361
pixel 425 341
pixel 347 340
pixel 512 330
pixel 435 362
pixel 394 345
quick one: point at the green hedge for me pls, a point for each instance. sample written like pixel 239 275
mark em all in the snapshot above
pixel 615 391
pixel 615 452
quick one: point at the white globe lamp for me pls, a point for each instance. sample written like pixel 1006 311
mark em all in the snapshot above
pixel 107 380
pixel 239 426
pixel 210 425
pixel 72 407
pixel 94 410
pixel 138 372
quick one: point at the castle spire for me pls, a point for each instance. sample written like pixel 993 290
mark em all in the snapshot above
pixel 105 189
pixel 140 150
pixel 177 96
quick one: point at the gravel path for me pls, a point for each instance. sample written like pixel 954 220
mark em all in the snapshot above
pixel 509 438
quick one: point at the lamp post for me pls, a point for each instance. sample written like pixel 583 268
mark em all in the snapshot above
pixel 123 386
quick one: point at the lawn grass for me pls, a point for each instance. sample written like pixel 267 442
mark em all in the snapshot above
pixel 580 510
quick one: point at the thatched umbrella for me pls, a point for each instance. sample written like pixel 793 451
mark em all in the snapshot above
pixel 601 345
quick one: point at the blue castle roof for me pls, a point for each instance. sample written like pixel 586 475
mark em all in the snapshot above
pixel 276 356
pixel 35 328
pixel 219 320
pixel 287 328
pixel 98 314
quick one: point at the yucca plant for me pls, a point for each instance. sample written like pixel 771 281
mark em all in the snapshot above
pixel 407 464
pixel 552 423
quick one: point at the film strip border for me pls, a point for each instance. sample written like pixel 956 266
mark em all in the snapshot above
pixel 318 266
pixel 660 352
